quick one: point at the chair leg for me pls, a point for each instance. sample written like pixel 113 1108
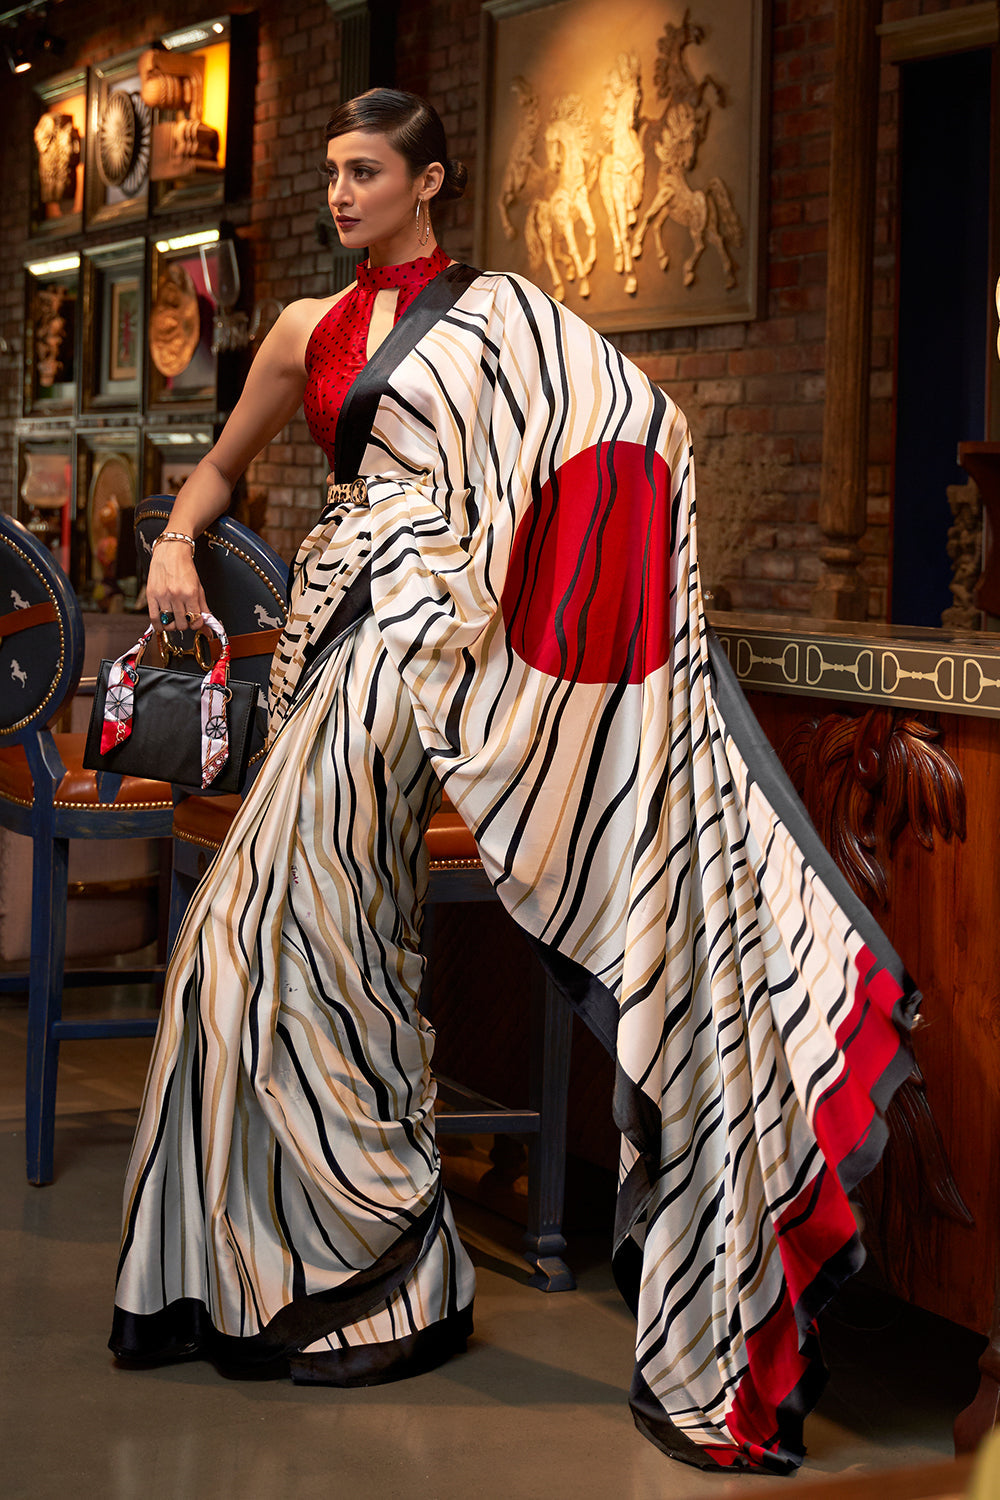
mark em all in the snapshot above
pixel 551 1040
pixel 50 874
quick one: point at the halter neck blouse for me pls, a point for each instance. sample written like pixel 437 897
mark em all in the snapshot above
pixel 337 350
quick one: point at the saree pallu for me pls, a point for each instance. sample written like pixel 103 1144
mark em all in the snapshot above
pixel 534 577
pixel 531 541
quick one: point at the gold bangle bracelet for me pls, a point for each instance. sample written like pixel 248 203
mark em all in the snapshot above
pixel 174 536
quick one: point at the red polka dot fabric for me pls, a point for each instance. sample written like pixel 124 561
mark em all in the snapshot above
pixel 337 349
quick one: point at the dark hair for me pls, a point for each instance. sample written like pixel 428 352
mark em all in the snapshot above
pixel 411 126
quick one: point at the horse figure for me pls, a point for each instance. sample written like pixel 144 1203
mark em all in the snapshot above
pixel 553 214
pixel 675 83
pixel 264 620
pixel 17 672
pixel 522 174
pixel 707 215
pixel 622 172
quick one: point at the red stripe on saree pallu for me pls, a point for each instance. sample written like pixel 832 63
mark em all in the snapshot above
pixel 869 1040
pixel 819 1223
pixel 581 598
pixel 775 1366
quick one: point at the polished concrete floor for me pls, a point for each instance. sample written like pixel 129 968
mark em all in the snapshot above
pixel 536 1408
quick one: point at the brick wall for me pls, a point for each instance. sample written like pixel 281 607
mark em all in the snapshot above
pixel 753 392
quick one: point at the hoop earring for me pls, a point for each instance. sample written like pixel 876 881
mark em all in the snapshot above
pixel 423 235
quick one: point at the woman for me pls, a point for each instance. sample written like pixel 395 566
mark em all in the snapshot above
pixel 501 596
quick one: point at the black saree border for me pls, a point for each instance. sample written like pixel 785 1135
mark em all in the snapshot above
pixel 381 1364
pixel 184 1328
pixel 769 774
pixel 357 414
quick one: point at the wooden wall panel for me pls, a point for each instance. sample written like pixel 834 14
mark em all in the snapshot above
pixel 943 917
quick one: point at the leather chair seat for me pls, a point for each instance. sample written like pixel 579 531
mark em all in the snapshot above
pixel 78 788
pixel 205 821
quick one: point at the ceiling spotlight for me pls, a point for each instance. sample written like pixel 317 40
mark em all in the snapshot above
pixel 18 59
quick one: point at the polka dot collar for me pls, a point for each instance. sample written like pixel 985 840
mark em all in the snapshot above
pixel 415 273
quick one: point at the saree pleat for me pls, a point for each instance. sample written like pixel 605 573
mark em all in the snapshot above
pixel 285 1177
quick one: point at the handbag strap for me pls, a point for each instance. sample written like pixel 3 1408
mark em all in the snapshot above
pixel 119 702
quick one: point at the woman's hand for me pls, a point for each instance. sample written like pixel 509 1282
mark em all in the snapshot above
pixel 173 588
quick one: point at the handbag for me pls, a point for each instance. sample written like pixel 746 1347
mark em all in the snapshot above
pixel 172 726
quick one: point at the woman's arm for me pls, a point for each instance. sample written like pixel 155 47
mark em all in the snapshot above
pixel 271 397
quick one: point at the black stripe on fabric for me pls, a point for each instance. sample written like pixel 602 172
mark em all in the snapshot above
pixel 376 1209
pixel 362 400
pixel 128 1238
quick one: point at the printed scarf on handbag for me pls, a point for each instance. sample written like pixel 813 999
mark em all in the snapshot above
pixel 119 703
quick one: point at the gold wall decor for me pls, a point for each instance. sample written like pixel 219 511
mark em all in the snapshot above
pixel 621 156
pixel 174 86
pixel 182 371
pixel 119 141
pixel 58 142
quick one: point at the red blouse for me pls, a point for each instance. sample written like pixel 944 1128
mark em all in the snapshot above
pixel 337 348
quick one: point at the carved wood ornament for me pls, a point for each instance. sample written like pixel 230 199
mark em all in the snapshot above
pixel 864 779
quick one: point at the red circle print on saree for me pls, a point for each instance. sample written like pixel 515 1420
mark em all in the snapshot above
pixel 587 592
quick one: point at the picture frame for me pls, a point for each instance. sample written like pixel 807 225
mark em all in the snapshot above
pixel 113 326
pixel 171 453
pixel 119 133
pixel 200 82
pixel 123 344
pixel 51 326
pixel 105 570
pixel 620 156
pixel 58 155
pixel 182 373
pixel 45 490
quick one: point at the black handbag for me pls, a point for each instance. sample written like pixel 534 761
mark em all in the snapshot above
pixel 165 739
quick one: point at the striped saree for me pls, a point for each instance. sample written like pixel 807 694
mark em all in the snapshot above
pixel 538 645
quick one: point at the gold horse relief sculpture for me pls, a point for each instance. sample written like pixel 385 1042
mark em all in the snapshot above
pixel 622 173
pixel 558 193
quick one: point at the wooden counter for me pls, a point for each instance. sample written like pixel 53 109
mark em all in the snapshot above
pixel 892 736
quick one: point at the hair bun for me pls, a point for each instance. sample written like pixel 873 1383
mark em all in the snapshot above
pixel 456 175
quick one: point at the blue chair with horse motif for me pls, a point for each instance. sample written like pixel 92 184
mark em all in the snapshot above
pixel 46 795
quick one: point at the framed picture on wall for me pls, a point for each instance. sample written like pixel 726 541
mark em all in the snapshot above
pixel 119 132
pixel 182 371
pixel 58 155
pixel 113 319
pixel 170 454
pixel 621 155
pixel 45 492
pixel 50 345
pixel 107 475
pixel 199 85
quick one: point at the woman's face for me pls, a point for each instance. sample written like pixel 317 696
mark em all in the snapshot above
pixel 373 198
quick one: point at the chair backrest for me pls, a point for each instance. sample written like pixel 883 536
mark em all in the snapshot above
pixel 245 583
pixel 41 634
